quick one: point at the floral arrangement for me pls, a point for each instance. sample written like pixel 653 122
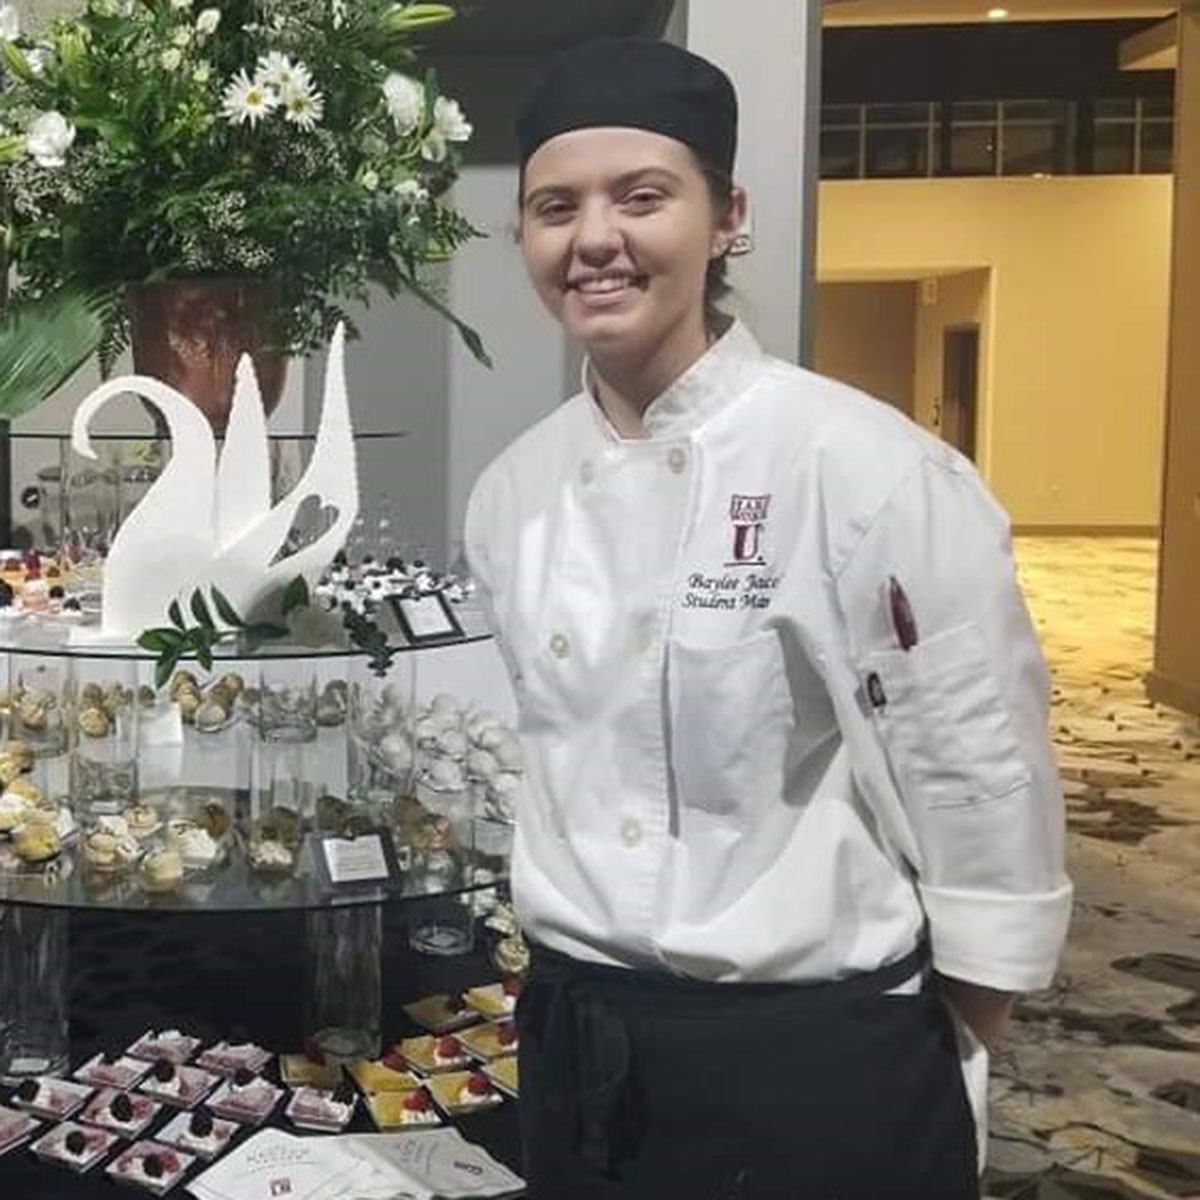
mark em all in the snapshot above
pixel 289 140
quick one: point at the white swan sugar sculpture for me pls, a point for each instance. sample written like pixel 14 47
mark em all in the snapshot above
pixel 207 523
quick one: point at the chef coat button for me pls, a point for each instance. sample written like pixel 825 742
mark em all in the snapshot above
pixel 559 646
pixel 631 831
pixel 677 459
pixel 587 470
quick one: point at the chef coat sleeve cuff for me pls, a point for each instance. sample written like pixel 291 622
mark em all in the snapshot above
pixel 998 940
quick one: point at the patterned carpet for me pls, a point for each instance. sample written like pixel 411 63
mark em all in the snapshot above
pixel 1096 1090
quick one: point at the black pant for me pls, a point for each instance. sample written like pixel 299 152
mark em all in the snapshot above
pixel 636 1086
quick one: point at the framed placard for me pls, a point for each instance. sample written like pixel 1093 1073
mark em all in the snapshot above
pixel 426 618
pixel 366 859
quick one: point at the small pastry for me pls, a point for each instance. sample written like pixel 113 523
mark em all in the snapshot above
pixel 38 842
pixel 14 809
pixel 26 788
pixel 142 820
pixel 146 697
pixel 214 817
pixel 162 868
pixel 270 857
pixel 196 848
pixel 232 683
pixel 22 754
pixel 189 704
pixel 179 680
pixel 94 722
pixel 33 714
pixel 211 717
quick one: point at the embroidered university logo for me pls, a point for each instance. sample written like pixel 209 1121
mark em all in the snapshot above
pixel 749 517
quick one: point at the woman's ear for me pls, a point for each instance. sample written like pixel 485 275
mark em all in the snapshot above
pixel 730 224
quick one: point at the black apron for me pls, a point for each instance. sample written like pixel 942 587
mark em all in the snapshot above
pixel 644 1086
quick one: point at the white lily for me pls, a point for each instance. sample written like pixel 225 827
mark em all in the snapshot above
pixel 49 139
pixel 405 100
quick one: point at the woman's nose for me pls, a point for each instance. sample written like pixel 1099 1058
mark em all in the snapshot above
pixel 597 235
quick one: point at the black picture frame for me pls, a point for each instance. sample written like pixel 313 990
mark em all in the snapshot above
pixel 426 619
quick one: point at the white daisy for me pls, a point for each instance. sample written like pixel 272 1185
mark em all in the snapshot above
pixel 405 100
pixel 302 106
pixel 247 100
pixel 281 73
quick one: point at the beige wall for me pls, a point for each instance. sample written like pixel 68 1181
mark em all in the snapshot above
pixel 865 338
pixel 1073 398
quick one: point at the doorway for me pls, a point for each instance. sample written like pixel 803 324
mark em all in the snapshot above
pixel 960 387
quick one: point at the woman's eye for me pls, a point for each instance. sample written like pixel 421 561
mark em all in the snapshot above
pixel 553 210
pixel 643 201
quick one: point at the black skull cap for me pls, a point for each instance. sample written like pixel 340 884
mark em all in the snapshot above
pixel 636 83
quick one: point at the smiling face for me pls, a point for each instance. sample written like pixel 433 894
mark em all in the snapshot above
pixel 617 229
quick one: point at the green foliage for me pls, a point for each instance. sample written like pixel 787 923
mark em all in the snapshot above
pixel 153 166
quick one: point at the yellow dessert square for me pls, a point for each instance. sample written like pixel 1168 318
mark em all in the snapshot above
pixel 375 1077
pixel 302 1071
pixel 441 1013
pixel 421 1052
pixel 484 1041
pixel 490 1000
pixel 389 1112
pixel 447 1091
pixel 504 1074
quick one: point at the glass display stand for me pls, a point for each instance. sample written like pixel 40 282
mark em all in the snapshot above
pixel 118 797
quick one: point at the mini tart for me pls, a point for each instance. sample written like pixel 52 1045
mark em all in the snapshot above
pixel 450 1093
pixel 131 1165
pixel 249 1103
pixel 375 1077
pixel 492 1040
pixel 399 1110
pixel 122 1072
pixel 315 1109
pixel 194 1085
pixel 301 1071
pixel 54 1098
pixel 170 1044
pixel 505 1074
pixel 427 1055
pixel 178 1132
pixel 37 842
pixel 225 1058
pixel 96 1143
pixel 15 1127
pixel 441 1013
pixel 101 1112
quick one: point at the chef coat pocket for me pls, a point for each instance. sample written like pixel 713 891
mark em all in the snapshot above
pixel 731 721
pixel 945 721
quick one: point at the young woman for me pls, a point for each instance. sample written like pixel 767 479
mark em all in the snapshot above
pixel 790 786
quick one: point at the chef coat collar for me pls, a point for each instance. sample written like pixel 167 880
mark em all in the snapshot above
pixel 714 380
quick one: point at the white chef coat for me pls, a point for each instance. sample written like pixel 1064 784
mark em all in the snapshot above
pixel 692 621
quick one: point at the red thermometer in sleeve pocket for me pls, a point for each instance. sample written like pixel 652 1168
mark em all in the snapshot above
pixel 903 621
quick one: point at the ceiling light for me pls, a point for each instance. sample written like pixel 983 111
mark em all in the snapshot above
pixel 997 14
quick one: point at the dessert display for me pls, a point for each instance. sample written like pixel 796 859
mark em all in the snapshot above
pixel 124 1113
pixel 494 999
pixel 491 1040
pixel 112 1071
pixel 52 1098
pixel 310 1069
pixel 170 1044
pixel 75 1146
pixel 245 1097
pixel 312 1108
pixel 198 1133
pixel 390 1074
pixel 15 1128
pixel 430 1055
pixel 463 1092
pixel 227 1058
pixel 400 1110
pixel 504 1073
pixel 176 1085
pixel 150 1165
pixel 442 1013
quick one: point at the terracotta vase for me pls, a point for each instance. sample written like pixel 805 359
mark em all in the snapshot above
pixel 190 333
